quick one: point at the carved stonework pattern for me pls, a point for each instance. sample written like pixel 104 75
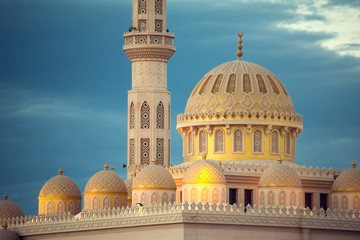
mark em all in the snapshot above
pixel 142 7
pixel 149 74
pixel 140 40
pixel 190 143
pixel 132 116
pixel 257 141
pixel 230 88
pixel 238 144
pixel 282 199
pixel 142 26
pixel 203 87
pixel 158 25
pixel 219 141
pixel 158 7
pixel 132 151
pixel 274 144
pixel 273 85
pixel 287 143
pixel 202 142
pixel 155 40
pixel 293 199
pixel 261 84
pixel 217 84
pixel 160 116
pixel 160 151
pixel 246 83
pixel 145 116
pixel 145 151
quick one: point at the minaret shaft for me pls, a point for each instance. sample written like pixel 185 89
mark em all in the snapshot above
pixel 149 46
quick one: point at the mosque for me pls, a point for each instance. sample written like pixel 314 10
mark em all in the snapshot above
pixel 239 179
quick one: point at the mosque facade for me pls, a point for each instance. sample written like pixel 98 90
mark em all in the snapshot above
pixel 239 178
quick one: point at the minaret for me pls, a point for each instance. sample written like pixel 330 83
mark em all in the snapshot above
pixel 149 46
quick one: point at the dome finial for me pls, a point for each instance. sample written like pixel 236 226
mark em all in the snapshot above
pixel 353 165
pixel 204 155
pixel 5 196
pixel 279 161
pixel 106 167
pixel 240 46
pixel 112 167
pixel 60 171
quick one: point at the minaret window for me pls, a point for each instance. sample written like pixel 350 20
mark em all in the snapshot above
pixel 287 143
pixel 190 144
pixel 160 151
pixel 274 142
pixel 202 142
pixel 246 83
pixel 261 84
pixel 158 7
pixel 132 116
pixel 230 88
pixel 142 25
pixel 145 116
pixel 258 141
pixel 158 25
pixel 132 151
pixel 142 7
pixel 160 116
pixel 145 151
pixel 238 141
pixel 219 141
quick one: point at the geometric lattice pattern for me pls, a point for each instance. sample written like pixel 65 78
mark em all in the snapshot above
pixel 145 116
pixel 204 171
pixel 106 181
pixel 274 142
pixel 257 141
pixel 239 77
pixel 280 175
pixel 154 177
pixel 158 7
pixel 132 151
pixel 132 116
pixel 238 141
pixel 160 151
pixel 9 209
pixel 142 7
pixel 158 25
pixel 145 151
pixel 60 186
pixel 287 144
pixel 348 181
pixel 202 142
pixel 160 116
pixel 219 141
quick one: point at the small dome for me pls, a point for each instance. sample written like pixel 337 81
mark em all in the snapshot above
pixel 280 175
pixel 348 181
pixel 204 171
pixel 105 181
pixel 60 186
pixel 154 177
pixel 129 183
pixel 7 234
pixel 9 209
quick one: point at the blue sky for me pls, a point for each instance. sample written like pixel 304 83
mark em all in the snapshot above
pixel 64 79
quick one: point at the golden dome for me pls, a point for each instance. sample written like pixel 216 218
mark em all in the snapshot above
pixel 129 183
pixel 280 175
pixel 204 171
pixel 105 181
pixel 153 177
pixel 60 186
pixel 9 209
pixel 348 181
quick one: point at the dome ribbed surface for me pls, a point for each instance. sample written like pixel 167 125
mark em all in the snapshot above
pixel 105 181
pixel 204 171
pixel 348 181
pixel 280 175
pixel 60 186
pixel 8 235
pixel 154 177
pixel 9 209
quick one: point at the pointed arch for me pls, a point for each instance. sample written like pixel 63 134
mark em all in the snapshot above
pixel 143 199
pixel 50 207
pixel 270 198
pixel 172 200
pixel 238 141
pixel 262 198
pixel 160 116
pixel 204 195
pixel 202 141
pixel 135 199
pixel 215 195
pixel 106 203
pixel 282 200
pixel 165 198
pixel 190 145
pixel 293 199
pixel 335 205
pixel 356 203
pixel 96 203
pixel 258 141
pixel 287 143
pixel 60 208
pixel 117 202
pixel 154 199
pixel 219 141
pixel 87 203
pixel 274 142
pixel 344 203
pixel 145 116
pixel 124 202
pixel 132 116
pixel 71 207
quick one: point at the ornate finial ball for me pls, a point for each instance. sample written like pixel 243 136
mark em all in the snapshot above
pixel 5 196
pixel 279 161
pixel 60 171
pixel 106 167
pixel 353 165
pixel 204 155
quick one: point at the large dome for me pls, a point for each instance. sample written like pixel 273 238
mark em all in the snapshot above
pixel 204 171
pixel 105 181
pixel 9 209
pixel 60 186
pixel 154 177
pixel 280 175
pixel 348 181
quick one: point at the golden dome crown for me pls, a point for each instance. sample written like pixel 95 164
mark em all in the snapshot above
pixel 204 171
pixel 60 186
pixel 9 209
pixel 153 177
pixel 105 181
pixel 348 181
pixel 280 175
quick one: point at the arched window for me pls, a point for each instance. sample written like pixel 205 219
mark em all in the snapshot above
pixel 42 208
pixel 274 142
pixel 238 141
pixel 143 198
pixel 145 116
pixel 270 198
pixel 193 195
pixel 215 195
pixel 160 116
pixel 154 199
pixel 344 203
pixel 142 7
pixel 287 143
pixel 202 141
pixel 132 116
pixel 165 198
pixel 204 195
pixel 160 151
pixel 78 207
pixel 60 207
pixel 219 141
pixel 335 203
pixel 106 202
pixel 258 141
pixel 282 200
pixel 124 202
pixel 223 199
pixel 87 203
pixel 356 203
pixel 145 151
pixel 293 199
pixel 190 143
pixel 262 198
pixel 132 151
pixel 96 203
pixel 172 198
pixel 50 208
pixel 71 207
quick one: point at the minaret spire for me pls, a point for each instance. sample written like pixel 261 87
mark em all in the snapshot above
pixel 240 46
pixel 149 46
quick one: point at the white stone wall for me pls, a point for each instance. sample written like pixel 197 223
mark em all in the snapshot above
pixel 153 197
pixel 281 196
pixel 345 200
